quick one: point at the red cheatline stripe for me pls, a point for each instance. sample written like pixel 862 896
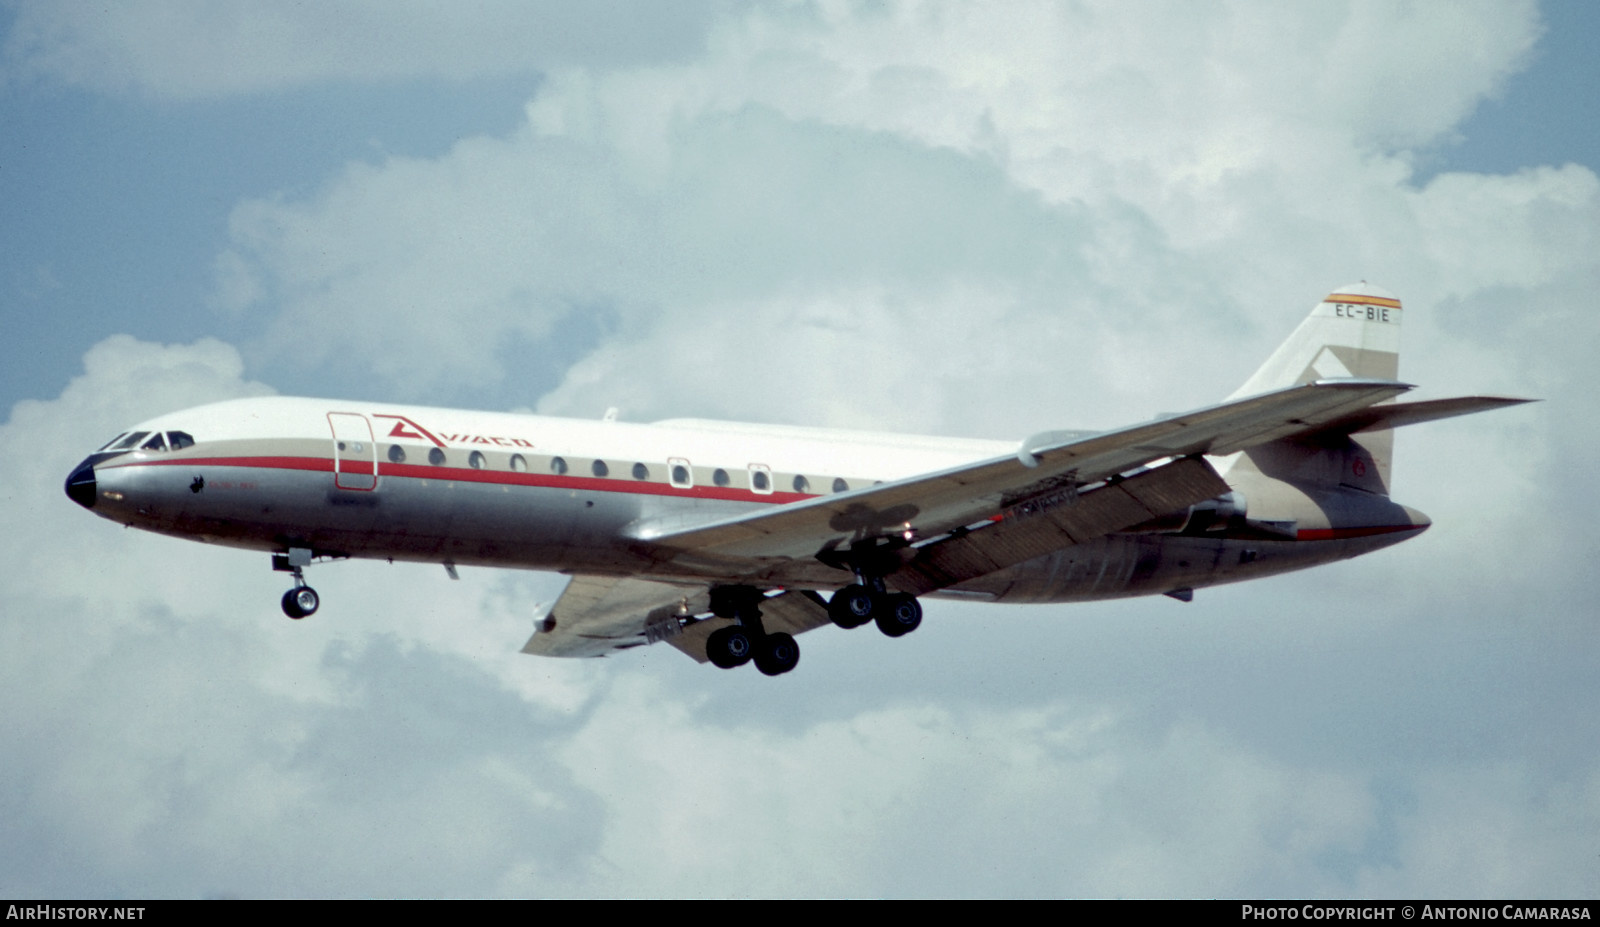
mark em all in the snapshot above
pixel 495 477
pixel 1338 534
pixel 315 464
pixel 1353 299
pixel 595 484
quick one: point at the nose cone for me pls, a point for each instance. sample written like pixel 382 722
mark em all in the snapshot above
pixel 81 485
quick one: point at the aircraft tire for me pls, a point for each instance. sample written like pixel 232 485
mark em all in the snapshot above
pixel 730 646
pixel 852 606
pixel 899 615
pixel 300 602
pixel 777 654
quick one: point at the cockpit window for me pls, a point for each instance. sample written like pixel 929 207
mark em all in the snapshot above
pixel 128 440
pixel 128 443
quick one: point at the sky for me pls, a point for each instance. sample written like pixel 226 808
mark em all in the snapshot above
pixel 983 220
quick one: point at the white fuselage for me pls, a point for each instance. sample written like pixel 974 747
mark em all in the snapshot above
pixel 476 488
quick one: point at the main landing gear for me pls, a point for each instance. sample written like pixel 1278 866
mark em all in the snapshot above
pixel 302 600
pixel 744 641
pixel 896 613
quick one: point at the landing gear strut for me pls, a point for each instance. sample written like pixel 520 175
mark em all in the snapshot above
pixel 746 640
pixel 302 600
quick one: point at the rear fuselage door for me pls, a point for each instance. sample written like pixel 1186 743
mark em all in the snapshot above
pixel 355 454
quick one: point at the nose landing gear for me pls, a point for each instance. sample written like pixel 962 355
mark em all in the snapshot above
pixel 302 600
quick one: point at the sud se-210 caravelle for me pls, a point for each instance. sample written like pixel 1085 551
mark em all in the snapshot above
pixel 726 540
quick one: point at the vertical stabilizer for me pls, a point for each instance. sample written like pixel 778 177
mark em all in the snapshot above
pixel 1353 332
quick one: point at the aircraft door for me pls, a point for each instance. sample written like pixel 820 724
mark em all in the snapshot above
pixel 355 453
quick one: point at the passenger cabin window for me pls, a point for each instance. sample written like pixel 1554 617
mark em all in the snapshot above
pixel 641 472
pixel 678 470
pixel 760 478
pixel 436 456
pixel 720 477
pixel 558 466
pixel 801 484
pixel 600 468
pixel 477 461
pixel 839 485
pixel 397 454
pixel 519 463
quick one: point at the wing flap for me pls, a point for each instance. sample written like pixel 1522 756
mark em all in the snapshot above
pixel 596 615
pixel 1042 529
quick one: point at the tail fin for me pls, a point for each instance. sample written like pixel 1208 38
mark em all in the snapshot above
pixel 1354 332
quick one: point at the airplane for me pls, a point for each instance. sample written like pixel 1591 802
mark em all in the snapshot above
pixel 726 540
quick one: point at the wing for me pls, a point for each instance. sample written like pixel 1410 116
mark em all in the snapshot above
pixel 597 615
pixel 784 546
pixel 1058 489
pixel 1393 415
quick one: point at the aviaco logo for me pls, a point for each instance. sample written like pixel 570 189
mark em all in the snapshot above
pixel 406 428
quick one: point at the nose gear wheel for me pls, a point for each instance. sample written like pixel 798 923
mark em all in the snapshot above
pixel 300 602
